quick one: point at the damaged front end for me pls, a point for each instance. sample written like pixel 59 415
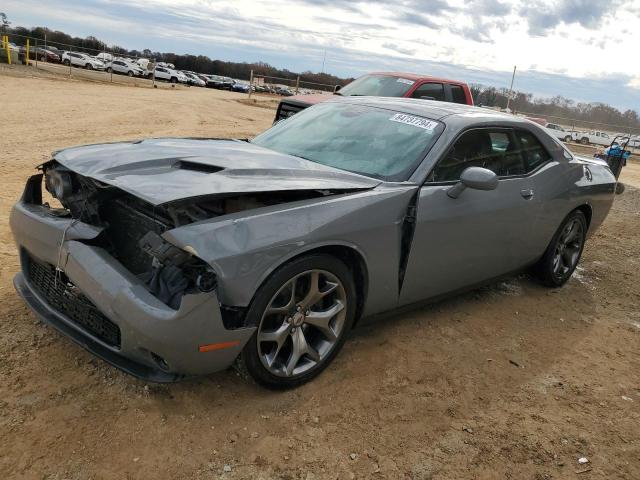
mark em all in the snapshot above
pixel 131 233
pixel 132 229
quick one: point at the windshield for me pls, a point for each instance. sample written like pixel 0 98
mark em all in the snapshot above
pixel 378 86
pixel 371 141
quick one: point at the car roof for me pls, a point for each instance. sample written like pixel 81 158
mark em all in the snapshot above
pixel 416 76
pixel 433 109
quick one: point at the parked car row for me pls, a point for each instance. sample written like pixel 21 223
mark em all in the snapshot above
pixel 105 61
pixel 593 137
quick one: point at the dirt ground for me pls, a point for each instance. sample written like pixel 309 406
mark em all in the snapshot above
pixel 512 381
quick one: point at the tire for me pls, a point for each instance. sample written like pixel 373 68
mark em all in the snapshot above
pixel 584 141
pixel 567 139
pixel 173 80
pixel 66 62
pixel 108 69
pixel 563 253
pixel 293 345
pixel 88 66
pixel 130 73
pixel 43 58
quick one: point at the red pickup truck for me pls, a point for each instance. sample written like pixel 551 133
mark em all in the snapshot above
pixel 385 84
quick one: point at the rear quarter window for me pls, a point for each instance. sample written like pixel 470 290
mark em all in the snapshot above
pixel 533 151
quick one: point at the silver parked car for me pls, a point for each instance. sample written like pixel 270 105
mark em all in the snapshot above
pixel 175 257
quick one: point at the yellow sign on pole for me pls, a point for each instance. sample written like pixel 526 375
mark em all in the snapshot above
pixel 26 54
pixel 6 46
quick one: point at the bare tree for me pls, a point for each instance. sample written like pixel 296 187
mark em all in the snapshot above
pixel 4 23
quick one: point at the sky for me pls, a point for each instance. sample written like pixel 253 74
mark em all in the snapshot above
pixel 585 50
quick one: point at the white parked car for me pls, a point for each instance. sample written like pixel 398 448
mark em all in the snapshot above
pixel 143 63
pixel 170 75
pixel 594 137
pixel 104 57
pixel 82 60
pixel 633 142
pixel 125 68
pixel 558 132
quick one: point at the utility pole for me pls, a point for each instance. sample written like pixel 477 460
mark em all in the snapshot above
pixel 511 87
pixel 324 57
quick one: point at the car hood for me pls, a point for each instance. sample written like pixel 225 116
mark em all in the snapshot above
pixel 169 169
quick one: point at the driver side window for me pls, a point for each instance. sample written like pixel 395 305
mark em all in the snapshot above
pixel 493 149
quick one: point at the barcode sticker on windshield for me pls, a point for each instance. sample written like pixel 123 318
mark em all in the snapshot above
pixel 404 80
pixel 415 121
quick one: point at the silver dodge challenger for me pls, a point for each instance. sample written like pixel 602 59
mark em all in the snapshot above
pixel 176 257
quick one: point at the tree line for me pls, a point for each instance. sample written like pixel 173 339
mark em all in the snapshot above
pixel 558 109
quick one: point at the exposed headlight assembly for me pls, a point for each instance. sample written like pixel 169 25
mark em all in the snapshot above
pixel 58 183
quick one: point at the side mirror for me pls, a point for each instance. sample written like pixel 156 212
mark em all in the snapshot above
pixel 477 178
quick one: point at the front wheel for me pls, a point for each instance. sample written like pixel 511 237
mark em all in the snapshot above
pixel 66 62
pixel 567 139
pixel 563 253
pixel 584 141
pixel 130 73
pixel 88 66
pixel 174 80
pixel 303 313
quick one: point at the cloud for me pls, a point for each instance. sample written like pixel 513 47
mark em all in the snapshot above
pixel 399 49
pixel 543 15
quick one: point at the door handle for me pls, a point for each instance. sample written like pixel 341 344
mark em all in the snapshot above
pixel 527 193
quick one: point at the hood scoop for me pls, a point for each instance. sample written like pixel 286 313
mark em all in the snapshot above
pixel 197 167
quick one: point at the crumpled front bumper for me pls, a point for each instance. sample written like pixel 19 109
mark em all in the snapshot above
pixel 149 329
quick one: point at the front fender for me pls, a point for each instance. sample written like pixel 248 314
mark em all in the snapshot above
pixel 244 248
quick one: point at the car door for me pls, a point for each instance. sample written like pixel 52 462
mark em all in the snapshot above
pixel 460 242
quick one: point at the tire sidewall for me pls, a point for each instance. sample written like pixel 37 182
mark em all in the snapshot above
pixel 250 356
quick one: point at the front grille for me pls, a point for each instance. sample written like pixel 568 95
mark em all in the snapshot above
pixel 127 223
pixel 285 110
pixel 64 296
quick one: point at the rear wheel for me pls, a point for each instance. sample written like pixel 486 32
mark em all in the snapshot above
pixel 563 253
pixel 66 62
pixel 173 80
pixel 303 313
pixel 567 139
pixel 108 69
pixel 584 141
